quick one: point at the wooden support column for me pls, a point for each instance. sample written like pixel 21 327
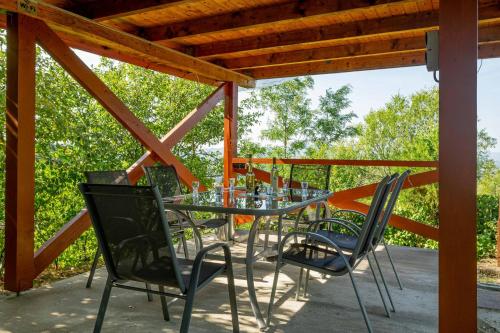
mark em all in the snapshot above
pixel 20 155
pixel 230 129
pixel 498 238
pixel 457 165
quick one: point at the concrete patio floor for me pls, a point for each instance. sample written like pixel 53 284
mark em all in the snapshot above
pixel 66 306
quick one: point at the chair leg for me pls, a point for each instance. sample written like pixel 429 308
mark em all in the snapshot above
pixel 185 246
pixel 299 284
pixel 392 264
pixel 360 301
pixel 150 295
pixel 383 280
pixel 188 310
pixel 306 282
pixel 94 267
pixel 388 314
pixel 103 306
pixel 273 293
pixel 232 298
pixel 164 304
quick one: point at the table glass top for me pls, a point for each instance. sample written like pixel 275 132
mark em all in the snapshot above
pixel 240 202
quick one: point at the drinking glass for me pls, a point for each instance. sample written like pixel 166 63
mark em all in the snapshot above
pixel 219 186
pixel 231 184
pixel 285 186
pixel 304 186
pixel 196 186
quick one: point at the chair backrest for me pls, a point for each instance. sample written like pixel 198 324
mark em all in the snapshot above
pixel 317 176
pixel 370 224
pixel 389 208
pixel 166 178
pixel 130 225
pixel 115 177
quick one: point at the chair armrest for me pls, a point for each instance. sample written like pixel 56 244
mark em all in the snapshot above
pixel 314 236
pixel 198 261
pixel 345 223
pixel 351 211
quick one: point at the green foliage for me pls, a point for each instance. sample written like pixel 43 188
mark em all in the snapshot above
pixel 291 114
pixel 74 134
pixel 487 219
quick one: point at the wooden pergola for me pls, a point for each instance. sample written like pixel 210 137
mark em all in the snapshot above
pixel 233 43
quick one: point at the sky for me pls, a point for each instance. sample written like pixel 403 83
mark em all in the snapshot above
pixel 372 89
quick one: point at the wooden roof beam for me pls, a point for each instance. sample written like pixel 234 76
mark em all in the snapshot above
pixel 362 63
pixel 260 16
pixel 422 21
pixel 486 34
pixel 70 22
pixel 103 10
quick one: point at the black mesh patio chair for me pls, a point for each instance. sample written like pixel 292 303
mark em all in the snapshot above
pixel 127 221
pixel 167 180
pixel 115 177
pixel 317 177
pixel 347 239
pixel 319 253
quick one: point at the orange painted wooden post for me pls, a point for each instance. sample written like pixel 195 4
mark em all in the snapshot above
pixel 230 129
pixel 20 155
pixel 457 165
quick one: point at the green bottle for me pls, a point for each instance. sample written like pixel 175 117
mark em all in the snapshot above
pixel 250 177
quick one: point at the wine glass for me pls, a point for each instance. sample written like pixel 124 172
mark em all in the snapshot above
pixel 196 186
pixel 231 184
pixel 285 185
pixel 304 186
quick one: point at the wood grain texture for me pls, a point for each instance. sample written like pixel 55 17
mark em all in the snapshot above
pixel 20 155
pixel 458 165
pixel 68 21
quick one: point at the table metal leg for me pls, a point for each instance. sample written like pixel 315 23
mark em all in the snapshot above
pixel 249 270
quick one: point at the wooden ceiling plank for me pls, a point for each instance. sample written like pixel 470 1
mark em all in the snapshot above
pixel 173 58
pixel 260 16
pixel 416 21
pixel 486 34
pixel 402 59
pixel 103 10
pixel 391 60
pixel 324 53
pixel 419 22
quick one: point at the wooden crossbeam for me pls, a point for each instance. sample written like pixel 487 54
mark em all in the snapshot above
pixel 396 221
pixel 178 132
pixel 318 161
pixel 70 22
pixel 285 13
pixel 413 180
pixel 102 10
pixel 20 155
pixel 343 32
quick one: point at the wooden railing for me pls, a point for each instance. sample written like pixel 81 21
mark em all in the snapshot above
pixel 348 199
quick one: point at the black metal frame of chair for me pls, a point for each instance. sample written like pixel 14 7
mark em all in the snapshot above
pixel 131 253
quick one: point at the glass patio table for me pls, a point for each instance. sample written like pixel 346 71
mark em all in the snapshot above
pixel 241 203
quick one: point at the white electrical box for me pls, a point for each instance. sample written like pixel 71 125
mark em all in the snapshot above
pixel 432 50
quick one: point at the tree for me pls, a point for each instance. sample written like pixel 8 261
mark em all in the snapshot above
pixel 74 134
pixel 290 111
pixel 330 123
pixel 406 128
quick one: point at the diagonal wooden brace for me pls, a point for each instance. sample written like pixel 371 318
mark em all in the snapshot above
pixel 49 251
